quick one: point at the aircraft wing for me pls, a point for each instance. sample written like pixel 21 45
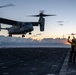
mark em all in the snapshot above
pixel 8 21
pixel 35 23
pixel 13 22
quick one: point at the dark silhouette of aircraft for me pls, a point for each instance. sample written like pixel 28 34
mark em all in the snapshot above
pixel 23 28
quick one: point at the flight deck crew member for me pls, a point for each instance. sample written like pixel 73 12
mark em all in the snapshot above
pixel 74 52
pixel 72 48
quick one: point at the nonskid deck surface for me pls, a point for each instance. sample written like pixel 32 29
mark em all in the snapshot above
pixel 32 61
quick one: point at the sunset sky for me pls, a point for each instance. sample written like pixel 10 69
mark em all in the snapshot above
pixel 65 11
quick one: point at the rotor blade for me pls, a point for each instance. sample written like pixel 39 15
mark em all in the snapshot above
pixel 8 5
pixel 34 15
pixel 48 15
pixel 44 15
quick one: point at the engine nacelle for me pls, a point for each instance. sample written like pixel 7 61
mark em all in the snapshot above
pixel 0 27
pixel 42 24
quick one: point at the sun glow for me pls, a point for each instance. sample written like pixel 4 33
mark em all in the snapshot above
pixel 67 43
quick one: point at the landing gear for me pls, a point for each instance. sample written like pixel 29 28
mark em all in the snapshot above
pixel 30 33
pixel 23 35
pixel 10 35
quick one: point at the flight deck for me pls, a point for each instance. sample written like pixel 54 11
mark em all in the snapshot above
pixel 32 61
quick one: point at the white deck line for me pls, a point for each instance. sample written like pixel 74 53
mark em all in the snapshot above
pixel 64 68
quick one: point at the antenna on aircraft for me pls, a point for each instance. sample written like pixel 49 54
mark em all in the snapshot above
pixel 7 5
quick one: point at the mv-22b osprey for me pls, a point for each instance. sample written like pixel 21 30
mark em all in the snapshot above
pixel 23 27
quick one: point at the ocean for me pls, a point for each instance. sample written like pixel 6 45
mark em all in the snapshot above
pixel 8 45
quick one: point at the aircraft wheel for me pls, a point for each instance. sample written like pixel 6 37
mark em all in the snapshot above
pixel 10 35
pixel 30 33
pixel 23 35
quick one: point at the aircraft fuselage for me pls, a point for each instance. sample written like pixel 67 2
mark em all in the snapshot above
pixel 23 29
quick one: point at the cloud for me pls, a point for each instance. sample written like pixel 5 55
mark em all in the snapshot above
pixel 60 21
pixel 57 40
pixel 22 40
pixel 26 42
pixel 34 35
pixel 38 34
pixel 73 34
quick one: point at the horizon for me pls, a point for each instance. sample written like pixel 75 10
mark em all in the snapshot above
pixel 45 40
pixel 10 42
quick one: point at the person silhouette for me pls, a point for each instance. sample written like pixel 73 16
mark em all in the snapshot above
pixel 74 52
pixel 72 42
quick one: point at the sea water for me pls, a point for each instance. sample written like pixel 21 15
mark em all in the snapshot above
pixel 7 45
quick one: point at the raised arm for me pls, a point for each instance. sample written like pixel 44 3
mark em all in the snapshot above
pixel 69 40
